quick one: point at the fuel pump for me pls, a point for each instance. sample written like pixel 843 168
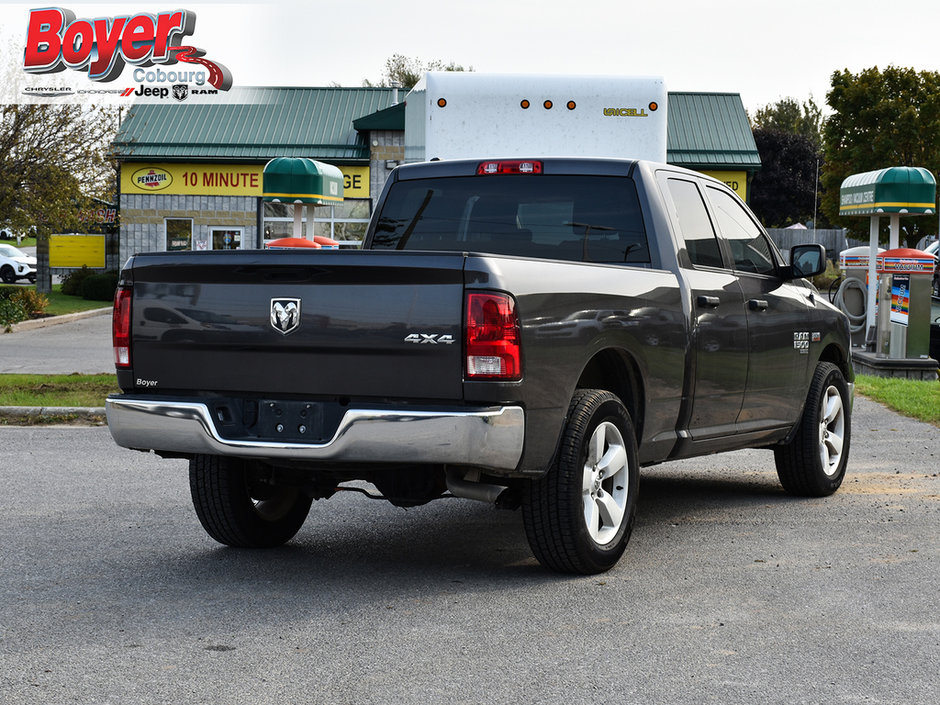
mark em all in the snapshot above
pixel 904 286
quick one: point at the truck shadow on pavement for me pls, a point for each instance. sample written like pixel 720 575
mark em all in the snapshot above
pixel 455 542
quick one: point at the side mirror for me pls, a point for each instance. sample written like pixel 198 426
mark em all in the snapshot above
pixel 807 261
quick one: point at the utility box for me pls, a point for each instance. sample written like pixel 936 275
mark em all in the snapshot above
pixel 905 281
pixel 458 115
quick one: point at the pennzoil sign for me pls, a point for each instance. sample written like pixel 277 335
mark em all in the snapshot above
pixel 152 179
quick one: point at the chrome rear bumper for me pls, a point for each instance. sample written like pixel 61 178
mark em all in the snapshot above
pixel 489 438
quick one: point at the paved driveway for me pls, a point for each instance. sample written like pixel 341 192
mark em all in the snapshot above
pixel 78 346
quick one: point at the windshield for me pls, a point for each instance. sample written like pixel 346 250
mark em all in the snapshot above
pixel 9 251
pixel 584 218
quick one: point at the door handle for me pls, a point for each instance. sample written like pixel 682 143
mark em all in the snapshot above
pixel 708 301
pixel 757 305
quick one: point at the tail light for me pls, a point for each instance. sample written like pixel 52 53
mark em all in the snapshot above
pixel 121 327
pixel 492 337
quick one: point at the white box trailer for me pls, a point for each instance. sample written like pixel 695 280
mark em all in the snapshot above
pixel 455 115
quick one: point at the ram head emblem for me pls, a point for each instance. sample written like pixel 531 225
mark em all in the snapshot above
pixel 285 315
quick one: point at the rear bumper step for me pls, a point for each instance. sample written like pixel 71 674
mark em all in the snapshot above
pixel 490 438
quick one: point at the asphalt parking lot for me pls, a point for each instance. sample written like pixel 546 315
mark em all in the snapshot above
pixel 83 345
pixel 730 591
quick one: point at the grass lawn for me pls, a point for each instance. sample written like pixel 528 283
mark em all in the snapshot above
pixel 60 304
pixel 914 398
pixel 27 242
pixel 56 390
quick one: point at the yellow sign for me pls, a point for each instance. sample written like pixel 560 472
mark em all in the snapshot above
pixel 76 251
pixel 219 179
pixel 735 180
pixel 355 181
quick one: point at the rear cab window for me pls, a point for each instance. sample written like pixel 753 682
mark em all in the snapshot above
pixel 552 216
pixel 694 224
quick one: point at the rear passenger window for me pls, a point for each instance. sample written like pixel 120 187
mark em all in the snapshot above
pixel 749 246
pixel 694 224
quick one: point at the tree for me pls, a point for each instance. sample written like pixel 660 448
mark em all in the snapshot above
pixel 784 190
pixel 880 119
pixel 406 71
pixel 786 115
pixel 52 161
pixel 787 135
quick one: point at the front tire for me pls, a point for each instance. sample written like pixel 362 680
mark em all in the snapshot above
pixel 579 516
pixel 238 509
pixel 813 463
pixel 7 275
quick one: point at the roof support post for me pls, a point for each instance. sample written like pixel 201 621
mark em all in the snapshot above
pixel 872 280
pixel 298 216
pixel 895 232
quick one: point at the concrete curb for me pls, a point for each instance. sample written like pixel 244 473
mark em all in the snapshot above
pixel 94 414
pixel 35 323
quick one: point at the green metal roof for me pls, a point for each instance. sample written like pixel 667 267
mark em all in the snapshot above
pixel 705 131
pixel 710 131
pixel 392 118
pixel 263 124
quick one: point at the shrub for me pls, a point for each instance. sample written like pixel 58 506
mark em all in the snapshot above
pixel 72 282
pixel 11 312
pixel 31 300
pixel 7 291
pixel 100 287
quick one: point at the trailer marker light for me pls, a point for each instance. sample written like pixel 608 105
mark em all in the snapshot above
pixel 654 106
pixel 441 102
pixel 572 105
pixel 525 104
pixel 514 166
pixel 548 104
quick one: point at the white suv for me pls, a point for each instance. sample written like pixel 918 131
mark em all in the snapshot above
pixel 15 264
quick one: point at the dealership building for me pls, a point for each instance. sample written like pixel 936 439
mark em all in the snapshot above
pixel 191 172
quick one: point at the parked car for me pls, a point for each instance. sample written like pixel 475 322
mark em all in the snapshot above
pixel 934 249
pixel 16 264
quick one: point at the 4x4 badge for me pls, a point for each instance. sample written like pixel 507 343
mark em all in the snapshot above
pixel 285 315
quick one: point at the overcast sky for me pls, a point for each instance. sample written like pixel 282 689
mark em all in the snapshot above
pixel 762 50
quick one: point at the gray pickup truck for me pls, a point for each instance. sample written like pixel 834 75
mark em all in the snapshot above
pixel 524 332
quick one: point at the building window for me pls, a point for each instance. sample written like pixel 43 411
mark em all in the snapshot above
pixel 179 234
pixel 345 222
pixel 226 238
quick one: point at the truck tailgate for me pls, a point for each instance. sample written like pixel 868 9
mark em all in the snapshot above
pixel 370 324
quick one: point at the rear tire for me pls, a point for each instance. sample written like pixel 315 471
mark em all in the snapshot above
pixel 236 509
pixel 579 516
pixel 813 463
